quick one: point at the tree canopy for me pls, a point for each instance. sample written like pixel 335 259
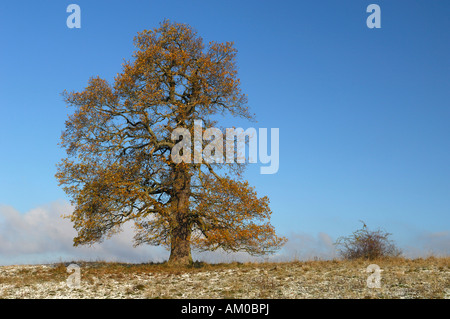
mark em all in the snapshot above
pixel 118 140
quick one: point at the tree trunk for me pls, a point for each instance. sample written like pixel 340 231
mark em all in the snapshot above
pixel 180 250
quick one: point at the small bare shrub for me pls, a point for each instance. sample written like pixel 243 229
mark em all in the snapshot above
pixel 367 244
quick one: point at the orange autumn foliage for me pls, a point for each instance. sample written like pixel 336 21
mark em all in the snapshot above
pixel 118 142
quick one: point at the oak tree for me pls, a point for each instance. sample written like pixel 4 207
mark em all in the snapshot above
pixel 119 166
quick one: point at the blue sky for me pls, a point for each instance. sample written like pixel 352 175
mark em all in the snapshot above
pixel 363 113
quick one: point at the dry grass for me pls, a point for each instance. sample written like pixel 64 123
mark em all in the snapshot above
pixel 400 278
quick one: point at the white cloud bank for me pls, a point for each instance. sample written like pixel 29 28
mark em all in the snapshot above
pixel 42 236
pixel 428 244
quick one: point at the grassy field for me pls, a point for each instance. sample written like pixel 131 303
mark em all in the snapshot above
pixel 399 278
